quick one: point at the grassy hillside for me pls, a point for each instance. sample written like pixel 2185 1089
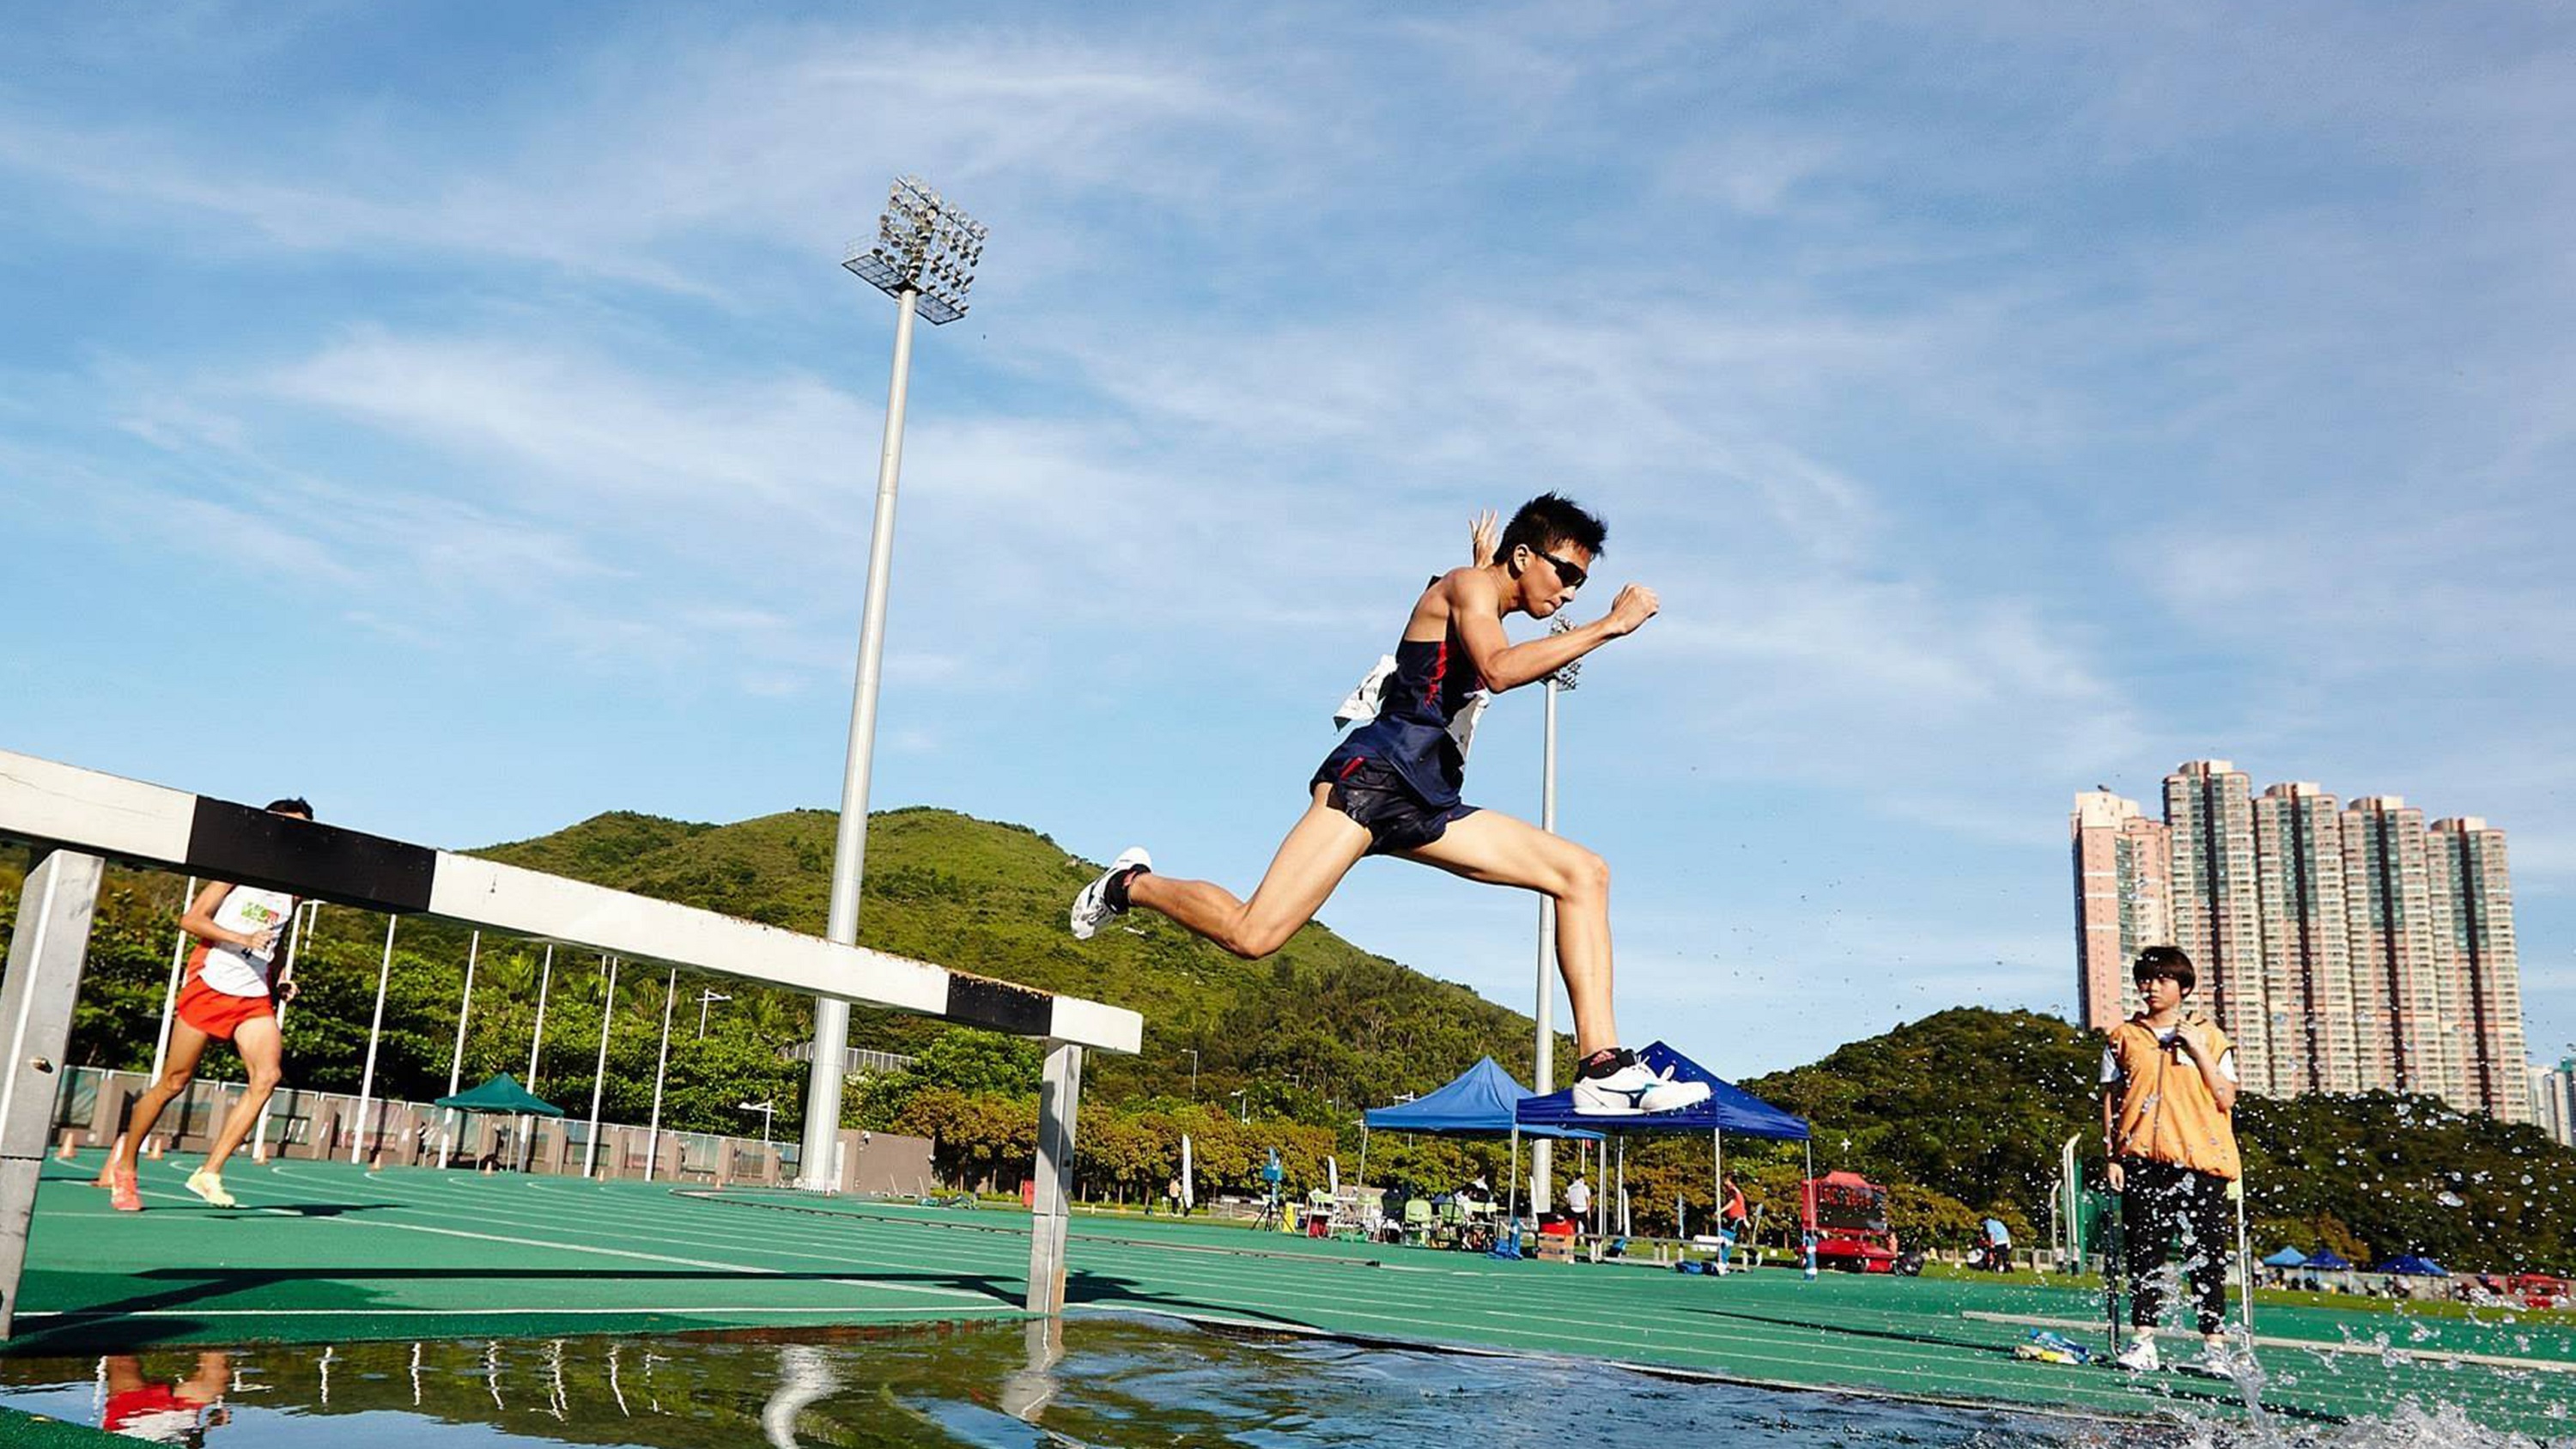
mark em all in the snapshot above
pixel 1320 1021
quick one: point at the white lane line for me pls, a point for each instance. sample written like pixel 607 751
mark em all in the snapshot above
pixel 2319 1345
pixel 742 1268
pixel 552 1218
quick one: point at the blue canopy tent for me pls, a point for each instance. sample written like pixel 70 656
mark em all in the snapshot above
pixel 1729 1108
pixel 2413 1265
pixel 2287 1258
pixel 1482 1101
pixel 2327 1260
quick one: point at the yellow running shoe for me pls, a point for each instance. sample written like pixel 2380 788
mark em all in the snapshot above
pixel 210 1186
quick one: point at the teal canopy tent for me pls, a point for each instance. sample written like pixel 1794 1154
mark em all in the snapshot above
pixel 502 1094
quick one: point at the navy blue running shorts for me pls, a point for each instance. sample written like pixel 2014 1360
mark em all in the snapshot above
pixel 1372 793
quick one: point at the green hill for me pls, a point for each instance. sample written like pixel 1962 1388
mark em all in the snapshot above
pixel 1321 1021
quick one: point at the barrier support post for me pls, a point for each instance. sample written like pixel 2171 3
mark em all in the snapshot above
pixel 45 956
pixel 1059 1094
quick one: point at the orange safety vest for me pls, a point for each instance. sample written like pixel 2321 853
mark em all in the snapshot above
pixel 2166 1113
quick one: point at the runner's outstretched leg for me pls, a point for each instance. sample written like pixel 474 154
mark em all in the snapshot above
pixel 178 1069
pixel 1496 849
pixel 263 1047
pixel 1319 851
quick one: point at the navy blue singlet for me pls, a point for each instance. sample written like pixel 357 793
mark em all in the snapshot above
pixel 1410 735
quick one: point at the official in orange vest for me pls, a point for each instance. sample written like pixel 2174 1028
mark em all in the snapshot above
pixel 2168 1099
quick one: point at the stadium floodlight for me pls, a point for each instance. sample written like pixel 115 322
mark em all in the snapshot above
pixel 923 245
pixel 924 256
pixel 1565 673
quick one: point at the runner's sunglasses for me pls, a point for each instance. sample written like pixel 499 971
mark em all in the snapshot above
pixel 1568 574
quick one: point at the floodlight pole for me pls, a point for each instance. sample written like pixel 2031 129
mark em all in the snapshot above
pixel 661 1065
pixel 456 1060
pixel 536 1038
pixel 599 1073
pixel 170 998
pixel 924 247
pixel 375 1033
pixel 850 849
pixel 1543 1063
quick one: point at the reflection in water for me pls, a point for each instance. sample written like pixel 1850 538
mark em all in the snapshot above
pixel 176 1411
pixel 1026 1393
pixel 558 1402
pixel 804 1377
pixel 1101 1382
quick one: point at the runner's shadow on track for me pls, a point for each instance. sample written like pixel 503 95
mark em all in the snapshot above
pixel 1111 1291
pixel 160 1315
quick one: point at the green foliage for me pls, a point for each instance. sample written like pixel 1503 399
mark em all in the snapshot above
pixel 1973 1105
pixel 2393 1174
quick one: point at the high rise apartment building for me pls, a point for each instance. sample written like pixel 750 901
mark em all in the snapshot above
pixel 2473 896
pixel 2307 963
pixel 2397 951
pixel 2343 948
pixel 2123 871
pixel 2217 905
pixel 2553 1101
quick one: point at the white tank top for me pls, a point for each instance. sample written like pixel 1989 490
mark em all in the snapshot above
pixel 235 970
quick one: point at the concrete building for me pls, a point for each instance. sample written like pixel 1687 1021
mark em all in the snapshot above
pixel 2123 901
pixel 2307 967
pixel 2217 906
pixel 2395 941
pixel 2472 890
pixel 2553 1101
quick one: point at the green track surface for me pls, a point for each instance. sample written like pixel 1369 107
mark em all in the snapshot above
pixel 320 1253
pixel 34 1431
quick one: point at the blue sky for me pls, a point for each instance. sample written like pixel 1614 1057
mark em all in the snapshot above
pixel 457 414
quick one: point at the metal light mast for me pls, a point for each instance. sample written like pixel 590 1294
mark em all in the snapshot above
pixel 923 256
pixel 1542 1155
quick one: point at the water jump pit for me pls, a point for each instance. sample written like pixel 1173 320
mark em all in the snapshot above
pixel 529 1294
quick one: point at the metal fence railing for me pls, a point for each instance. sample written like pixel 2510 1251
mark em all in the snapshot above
pixel 91 1104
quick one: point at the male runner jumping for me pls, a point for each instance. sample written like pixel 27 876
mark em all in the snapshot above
pixel 1392 788
pixel 227 997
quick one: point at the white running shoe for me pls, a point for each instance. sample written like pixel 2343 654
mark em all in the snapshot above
pixel 210 1186
pixel 1633 1091
pixel 1091 909
pixel 2140 1356
pixel 2218 1359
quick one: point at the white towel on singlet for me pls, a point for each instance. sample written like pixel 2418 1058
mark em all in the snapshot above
pixel 1362 703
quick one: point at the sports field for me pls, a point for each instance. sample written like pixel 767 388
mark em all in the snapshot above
pixel 325 1253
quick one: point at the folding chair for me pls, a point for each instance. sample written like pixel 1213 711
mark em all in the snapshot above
pixel 1417 1221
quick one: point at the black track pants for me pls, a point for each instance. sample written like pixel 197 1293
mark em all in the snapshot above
pixel 2163 1209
